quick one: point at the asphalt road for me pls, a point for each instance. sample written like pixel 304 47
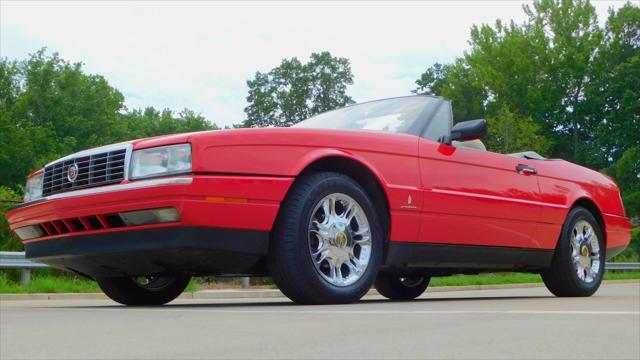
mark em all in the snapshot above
pixel 514 323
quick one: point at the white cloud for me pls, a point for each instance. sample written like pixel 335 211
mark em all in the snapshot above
pixel 200 54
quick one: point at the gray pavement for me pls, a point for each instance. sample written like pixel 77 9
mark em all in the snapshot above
pixel 503 323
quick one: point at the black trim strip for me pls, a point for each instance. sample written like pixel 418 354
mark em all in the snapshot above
pixel 162 251
pixel 430 255
pixel 232 240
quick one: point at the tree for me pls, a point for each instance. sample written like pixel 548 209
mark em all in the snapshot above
pixel 8 242
pixel 614 92
pixel 540 68
pixel 432 81
pixel 578 82
pixel 50 108
pixel 152 122
pixel 573 37
pixel 294 91
pixel 626 172
pixel 509 133
pixel 454 82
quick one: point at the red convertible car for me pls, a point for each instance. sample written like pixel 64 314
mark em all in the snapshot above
pixel 386 193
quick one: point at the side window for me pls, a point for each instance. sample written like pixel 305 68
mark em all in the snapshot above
pixel 440 124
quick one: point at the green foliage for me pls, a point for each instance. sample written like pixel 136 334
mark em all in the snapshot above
pixel 456 83
pixel 294 91
pixel 50 107
pixel 514 278
pixel 152 122
pixel 432 81
pixel 485 279
pixel 46 283
pixel 613 93
pixel 539 69
pixel 626 173
pixel 576 81
pixel 8 198
pixel 509 133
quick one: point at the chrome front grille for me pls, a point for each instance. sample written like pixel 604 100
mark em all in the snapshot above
pixel 93 169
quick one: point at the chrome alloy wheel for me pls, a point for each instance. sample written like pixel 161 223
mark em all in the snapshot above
pixel 339 239
pixel 585 251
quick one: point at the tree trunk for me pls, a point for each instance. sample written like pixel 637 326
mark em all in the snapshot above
pixel 575 138
pixel 575 122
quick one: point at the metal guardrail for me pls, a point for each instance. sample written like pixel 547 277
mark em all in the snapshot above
pixel 16 260
pixel 622 266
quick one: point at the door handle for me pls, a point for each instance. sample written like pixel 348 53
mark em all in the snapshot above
pixel 524 169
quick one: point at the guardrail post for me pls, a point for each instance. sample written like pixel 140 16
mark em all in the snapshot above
pixel 245 282
pixel 25 276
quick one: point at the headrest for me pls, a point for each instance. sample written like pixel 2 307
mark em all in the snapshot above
pixel 471 144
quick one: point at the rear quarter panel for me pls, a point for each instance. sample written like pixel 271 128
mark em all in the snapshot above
pixel 562 184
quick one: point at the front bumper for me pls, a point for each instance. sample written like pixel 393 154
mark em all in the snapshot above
pixel 214 204
pixel 179 250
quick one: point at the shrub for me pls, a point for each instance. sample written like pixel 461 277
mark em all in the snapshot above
pixel 8 242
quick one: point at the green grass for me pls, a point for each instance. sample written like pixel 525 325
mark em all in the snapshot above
pixel 620 275
pixel 513 278
pixel 46 283
pixel 192 287
pixel 485 279
pixel 73 284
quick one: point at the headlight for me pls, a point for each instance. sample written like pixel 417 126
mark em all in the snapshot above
pixel 33 188
pixel 161 161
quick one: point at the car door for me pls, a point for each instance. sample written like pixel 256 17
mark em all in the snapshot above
pixel 475 197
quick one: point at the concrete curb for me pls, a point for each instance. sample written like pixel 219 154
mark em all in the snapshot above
pixel 266 293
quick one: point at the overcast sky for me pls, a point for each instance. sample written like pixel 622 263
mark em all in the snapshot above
pixel 200 54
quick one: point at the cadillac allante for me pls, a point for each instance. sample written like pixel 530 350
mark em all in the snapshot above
pixel 386 193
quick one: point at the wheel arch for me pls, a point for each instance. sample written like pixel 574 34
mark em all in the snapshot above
pixel 592 207
pixel 360 173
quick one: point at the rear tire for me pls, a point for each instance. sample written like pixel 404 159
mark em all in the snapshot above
pixel 578 262
pixel 396 287
pixel 134 291
pixel 327 242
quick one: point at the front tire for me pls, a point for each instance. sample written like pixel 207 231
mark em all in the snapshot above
pixel 327 243
pixel 578 262
pixel 396 287
pixel 143 290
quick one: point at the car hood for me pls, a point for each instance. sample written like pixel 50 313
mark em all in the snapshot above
pixel 294 136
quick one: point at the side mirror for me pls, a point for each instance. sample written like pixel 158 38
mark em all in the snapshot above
pixel 467 130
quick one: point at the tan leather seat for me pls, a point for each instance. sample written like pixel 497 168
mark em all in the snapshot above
pixel 471 144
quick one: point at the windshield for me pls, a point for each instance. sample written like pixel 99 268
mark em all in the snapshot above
pixel 401 115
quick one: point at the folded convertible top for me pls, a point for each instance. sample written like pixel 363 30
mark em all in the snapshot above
pixel 528 155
